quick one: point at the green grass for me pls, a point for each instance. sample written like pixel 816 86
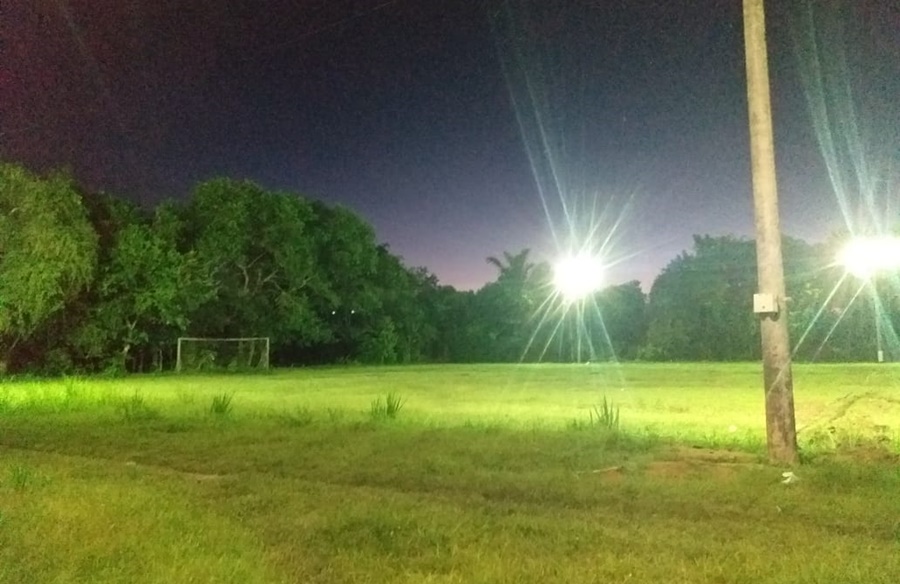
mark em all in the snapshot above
pixel 633 473
pixel 387 408
pixel 221 404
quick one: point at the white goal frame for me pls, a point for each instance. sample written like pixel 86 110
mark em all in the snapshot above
pixel 264 360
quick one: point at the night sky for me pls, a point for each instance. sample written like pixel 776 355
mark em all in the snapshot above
pixel 460 129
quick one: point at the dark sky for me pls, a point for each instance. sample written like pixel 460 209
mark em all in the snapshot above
pixel 461 129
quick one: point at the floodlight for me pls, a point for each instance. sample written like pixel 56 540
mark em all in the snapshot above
pixel 575 277
pixel 865 256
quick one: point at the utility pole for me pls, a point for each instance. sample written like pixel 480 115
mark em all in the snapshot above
pixel 769 303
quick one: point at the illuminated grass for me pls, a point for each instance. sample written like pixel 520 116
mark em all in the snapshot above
pixel 484 478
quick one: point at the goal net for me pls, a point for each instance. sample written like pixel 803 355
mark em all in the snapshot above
pixel 212 354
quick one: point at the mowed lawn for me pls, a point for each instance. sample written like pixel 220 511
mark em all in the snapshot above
pixel 486 474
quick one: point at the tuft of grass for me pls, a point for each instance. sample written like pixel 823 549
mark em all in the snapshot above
pixel 186 397
pixel 606 416
pixel 222 404
pixel 74 395
pixel 6 403
pixel 135 409
pixel 387 408
pixel 21 477
pixel 298 418
pixel 335 415
pixel 74 388
pixel 378 410
pixel 575 424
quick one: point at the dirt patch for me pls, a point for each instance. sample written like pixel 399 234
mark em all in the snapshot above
pixel 710 455
pixel 611 474
pixel 681 463
pixel 874 453
pixel 132 465
pixel 684 462
pixel 681 469
pixel 164 470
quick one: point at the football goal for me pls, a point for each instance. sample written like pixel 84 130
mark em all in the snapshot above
pixel 215 354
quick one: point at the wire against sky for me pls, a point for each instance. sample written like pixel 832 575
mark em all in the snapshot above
pixel 859 149
pixel 320 29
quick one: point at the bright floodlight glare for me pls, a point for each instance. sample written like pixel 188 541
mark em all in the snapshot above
pixel 865 256
pixel 576 277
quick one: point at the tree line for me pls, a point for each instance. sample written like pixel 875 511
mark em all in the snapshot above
pixel 92 283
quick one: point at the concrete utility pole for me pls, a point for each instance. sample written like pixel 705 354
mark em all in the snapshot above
pixel 769 304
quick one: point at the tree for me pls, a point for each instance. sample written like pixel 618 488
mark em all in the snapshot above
pixel 146 289
pixel 460 332
pixel 404 307
pixel 440 323
pixel 347 297
pixel 506 310
pixel 623 310
pixel 514 269
pixel 48 252
pixel 260 248
pixel 700 306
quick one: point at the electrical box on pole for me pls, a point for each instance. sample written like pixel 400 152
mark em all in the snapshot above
pixel 765 304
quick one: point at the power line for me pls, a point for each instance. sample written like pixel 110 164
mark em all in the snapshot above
pixel 326 27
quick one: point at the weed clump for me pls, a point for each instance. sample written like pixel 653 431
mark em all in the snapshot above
pixel 135 409
pixel 605 416
pixel 297 419
pixel 21 477
pixel 387 408
pixel 221 404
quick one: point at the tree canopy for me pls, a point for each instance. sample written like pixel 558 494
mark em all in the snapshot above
pixel 48 253
pixel 89 282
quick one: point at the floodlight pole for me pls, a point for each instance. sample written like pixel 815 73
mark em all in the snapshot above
pixel 781 432
pixel 879 335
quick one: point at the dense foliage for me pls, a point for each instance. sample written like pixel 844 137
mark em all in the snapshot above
pixel 90 282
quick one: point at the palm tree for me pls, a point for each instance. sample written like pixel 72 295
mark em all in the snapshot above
pixel 514 268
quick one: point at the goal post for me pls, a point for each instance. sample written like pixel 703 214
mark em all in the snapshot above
pixel 222 354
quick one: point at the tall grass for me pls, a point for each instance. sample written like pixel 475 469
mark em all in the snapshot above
pixel 20 477
pixel 386 408
pixel 222 404
pixel 136 409
pixel 606 416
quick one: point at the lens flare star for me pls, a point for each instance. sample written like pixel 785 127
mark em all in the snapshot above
pixel 575 277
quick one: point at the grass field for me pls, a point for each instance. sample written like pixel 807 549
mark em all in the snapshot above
pixel 485 474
